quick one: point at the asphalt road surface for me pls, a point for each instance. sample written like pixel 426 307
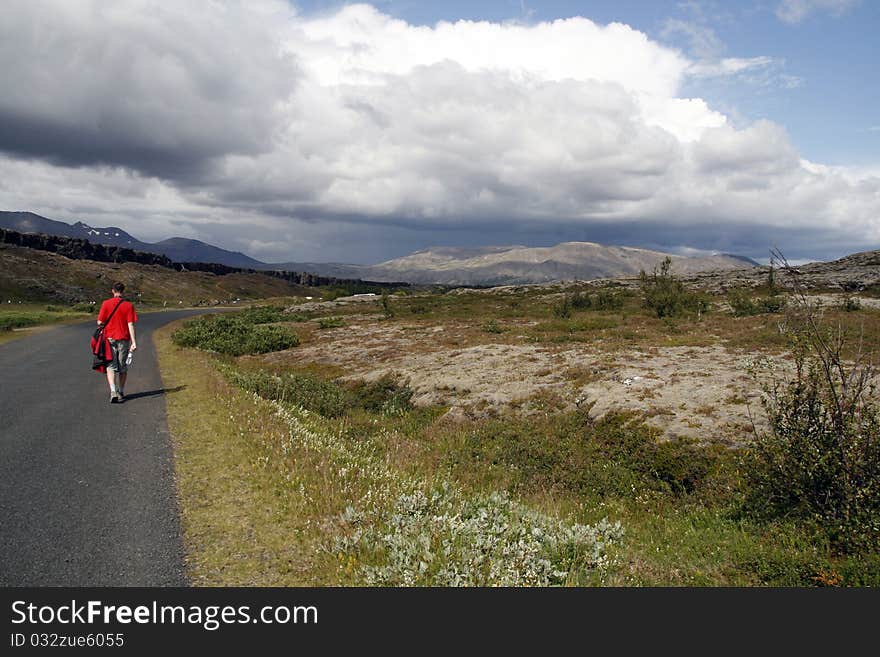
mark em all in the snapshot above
pixel 87 493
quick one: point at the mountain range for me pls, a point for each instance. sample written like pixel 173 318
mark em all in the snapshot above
pixel 179 249
pixel 490 265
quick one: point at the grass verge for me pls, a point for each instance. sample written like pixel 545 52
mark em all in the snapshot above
pixel 29 316
pixel 279 488
pixel 243 523
pixel 274 494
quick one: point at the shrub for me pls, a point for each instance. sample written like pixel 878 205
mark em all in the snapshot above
pixel 22 319
pixel 609 300
pixel 562 308
pixel 492 326
pixel 667 296
pixel 85 307
pixel 263 315
pixel 604 299
pixel 820 459
pixel 581 301
pixel 331 294
pixel 305 390
pixel 617 456
pixel 850 304
pixel 264 339
pixel 772 304
pixel 331 322
pixel 385 303
pixel 229 334
pixel 743 305
pixel 445 538
pixel 385 395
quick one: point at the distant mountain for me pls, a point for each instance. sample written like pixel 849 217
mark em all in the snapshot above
pixel 181 249
pixel 178 249
pixel 488 265
pixel 516 265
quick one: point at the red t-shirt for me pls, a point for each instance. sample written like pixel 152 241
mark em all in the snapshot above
pixel 117 327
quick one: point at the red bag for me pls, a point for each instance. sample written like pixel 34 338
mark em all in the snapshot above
pixel 102 352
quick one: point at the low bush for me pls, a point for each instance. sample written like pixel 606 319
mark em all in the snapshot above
pixel 819 462
pixel 263 315
pixel 233 335
pixel 385 305
pixel 562 308
pixel 22 319
pixel 331 322
pixel 850 304
pixel 492 326
pixel 778 568
pixel 666 296
pixel 305 390
pixel 386 395
pixel 446 538
pixel 604 299
pixel 618 455
pixel 743 304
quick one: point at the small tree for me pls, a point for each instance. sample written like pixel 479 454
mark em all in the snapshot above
pixel 772 288
pixel 667 296
pixel 385 302
pixel 562 308
pixel 820 459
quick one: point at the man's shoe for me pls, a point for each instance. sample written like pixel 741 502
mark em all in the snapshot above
pixel 121 396
pixel 114 399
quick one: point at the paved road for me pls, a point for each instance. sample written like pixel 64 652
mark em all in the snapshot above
pixel 87 494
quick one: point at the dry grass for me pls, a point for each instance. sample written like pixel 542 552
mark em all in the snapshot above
pixel 32 275
pixel 243 523
pixel 256 513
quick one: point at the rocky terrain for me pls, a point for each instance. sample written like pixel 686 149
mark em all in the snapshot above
pixel 485 352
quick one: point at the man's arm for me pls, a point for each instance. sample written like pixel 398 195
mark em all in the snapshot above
pixel 133 340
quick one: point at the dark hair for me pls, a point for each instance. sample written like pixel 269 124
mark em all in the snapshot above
pixel 119 287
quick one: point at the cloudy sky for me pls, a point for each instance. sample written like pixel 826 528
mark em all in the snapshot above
pixel 320 131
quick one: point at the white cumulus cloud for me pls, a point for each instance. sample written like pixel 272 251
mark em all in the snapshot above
pixel 200 120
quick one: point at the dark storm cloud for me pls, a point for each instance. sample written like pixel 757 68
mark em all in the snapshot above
pixel 371 137
pixel 161 89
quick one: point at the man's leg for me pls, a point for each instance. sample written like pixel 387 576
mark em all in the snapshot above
pixel 122 348
pixel 111 381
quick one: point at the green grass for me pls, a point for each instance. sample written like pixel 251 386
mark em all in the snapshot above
pixel 337 480
pixel 245 332
pixel 349 490
pixel 31 315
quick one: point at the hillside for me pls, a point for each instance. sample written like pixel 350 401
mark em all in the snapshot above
pixel 852 273
pixel 32 275
pixel 484 266
pixel 178 249
pixel 522 265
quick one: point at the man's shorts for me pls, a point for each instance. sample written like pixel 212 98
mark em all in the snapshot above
pixel 120 355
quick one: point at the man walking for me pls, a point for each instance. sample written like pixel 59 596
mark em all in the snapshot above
pixel 119 316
